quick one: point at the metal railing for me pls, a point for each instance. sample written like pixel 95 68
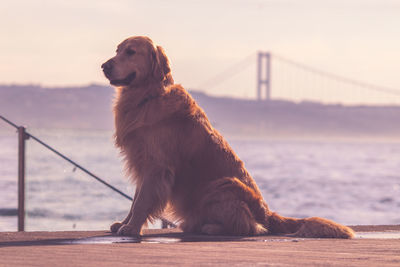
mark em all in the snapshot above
pixel 23 135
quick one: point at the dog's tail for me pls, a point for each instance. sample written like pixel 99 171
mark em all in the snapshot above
pixel 309 227
pixel 244 212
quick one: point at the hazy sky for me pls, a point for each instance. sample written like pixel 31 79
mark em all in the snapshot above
pixel 57 42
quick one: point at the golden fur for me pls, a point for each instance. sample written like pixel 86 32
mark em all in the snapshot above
pixel 177 158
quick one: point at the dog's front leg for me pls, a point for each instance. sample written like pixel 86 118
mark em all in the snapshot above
pixel 151 199
pixel 115 226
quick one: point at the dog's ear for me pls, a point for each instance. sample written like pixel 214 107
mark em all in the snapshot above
pixel 161 67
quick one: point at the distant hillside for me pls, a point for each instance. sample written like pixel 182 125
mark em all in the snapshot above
pixel 78 107
pixel 90 108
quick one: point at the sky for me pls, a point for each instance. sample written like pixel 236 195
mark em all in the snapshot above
pixel 63 43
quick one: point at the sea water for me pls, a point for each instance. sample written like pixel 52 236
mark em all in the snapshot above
pixel 349 182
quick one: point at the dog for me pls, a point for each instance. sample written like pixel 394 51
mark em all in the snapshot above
pixel 179 162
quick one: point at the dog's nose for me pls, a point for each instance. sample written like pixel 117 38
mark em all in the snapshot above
pixel 107 67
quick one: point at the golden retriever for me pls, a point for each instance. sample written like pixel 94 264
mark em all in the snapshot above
pixel 177 158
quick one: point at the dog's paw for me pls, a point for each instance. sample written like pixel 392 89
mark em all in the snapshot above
pixel 115 227
pixel 128 230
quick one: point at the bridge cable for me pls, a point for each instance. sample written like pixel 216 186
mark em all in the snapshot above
pixel 338 78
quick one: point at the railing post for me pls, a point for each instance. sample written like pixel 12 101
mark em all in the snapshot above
pixel 21 178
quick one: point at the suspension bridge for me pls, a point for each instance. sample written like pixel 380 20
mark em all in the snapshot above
pixel 279 77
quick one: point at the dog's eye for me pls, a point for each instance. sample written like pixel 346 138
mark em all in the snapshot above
pixel 130 52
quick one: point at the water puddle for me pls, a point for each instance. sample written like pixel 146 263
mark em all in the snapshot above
pixel 120 240
pixel 178 239
pixel 169 240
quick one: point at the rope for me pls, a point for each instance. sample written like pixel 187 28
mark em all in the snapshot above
pixel 79 166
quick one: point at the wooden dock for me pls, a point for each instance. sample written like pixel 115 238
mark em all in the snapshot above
pixel 374 246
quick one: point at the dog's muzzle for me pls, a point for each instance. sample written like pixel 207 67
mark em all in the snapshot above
pixel 107 68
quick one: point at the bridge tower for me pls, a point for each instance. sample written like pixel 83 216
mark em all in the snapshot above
pixel 264 75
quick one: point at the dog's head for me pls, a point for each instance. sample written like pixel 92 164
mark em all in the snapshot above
pixel 138 61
